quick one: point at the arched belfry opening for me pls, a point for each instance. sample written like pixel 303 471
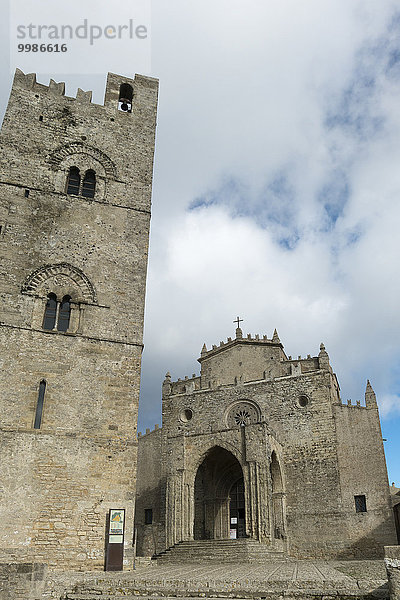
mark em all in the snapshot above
pixel 219 498
pixel 125 97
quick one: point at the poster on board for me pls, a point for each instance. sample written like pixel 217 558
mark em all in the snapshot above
pixel 116 527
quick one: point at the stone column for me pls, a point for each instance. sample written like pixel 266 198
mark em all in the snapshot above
pixel 392 562
pixel 252 495
pixel 181 506
pixel 75 318
pixel 80 318
pixel 258 500
pixel 171 512
pixel 264 504
pixel 191 511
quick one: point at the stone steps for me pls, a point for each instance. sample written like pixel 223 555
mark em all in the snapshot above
pixel 264 580
pixel 273 591
pixel 266 595
pixel 216 551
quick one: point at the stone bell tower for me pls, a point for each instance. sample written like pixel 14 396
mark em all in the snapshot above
pixel 75 192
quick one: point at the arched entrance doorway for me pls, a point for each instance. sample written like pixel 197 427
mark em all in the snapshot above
pixel 219 497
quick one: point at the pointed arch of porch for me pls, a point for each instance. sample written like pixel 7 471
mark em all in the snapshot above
pixel 205 449
pixel 219 473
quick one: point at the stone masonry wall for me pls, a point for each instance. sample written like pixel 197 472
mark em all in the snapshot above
pixel 24 581
pixel 58 481
pixel 150 495
pixel 362 470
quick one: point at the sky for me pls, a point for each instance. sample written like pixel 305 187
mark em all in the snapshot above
pixel 276 193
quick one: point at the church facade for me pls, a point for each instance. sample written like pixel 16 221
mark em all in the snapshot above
pixel 261 447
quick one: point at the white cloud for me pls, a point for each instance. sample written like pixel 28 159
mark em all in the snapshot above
pixel 389 405
pixel 295 106
pixel 252 110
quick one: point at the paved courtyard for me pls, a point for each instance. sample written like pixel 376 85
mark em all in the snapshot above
pixel 302 573
pixel 312 578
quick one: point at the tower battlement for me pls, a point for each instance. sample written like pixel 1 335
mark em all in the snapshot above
pixel 46 133
pixel 242 360
pixel 28 82
pixel 239 339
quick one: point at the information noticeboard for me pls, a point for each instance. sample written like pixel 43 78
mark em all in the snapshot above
pixel 115 541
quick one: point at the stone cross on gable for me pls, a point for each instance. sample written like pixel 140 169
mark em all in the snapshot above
pixel 237 320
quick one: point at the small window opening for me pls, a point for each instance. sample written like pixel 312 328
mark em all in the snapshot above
pixel 361 503
pixel 303 401
pixel 125 97
pixel 64 314
pixel 1 229
pixel 148 516
pixel 50 312
pixel 89 184
pixel 41 118
pixel 26 193
pixel 73 181
pixel 39 405
pixel 186 415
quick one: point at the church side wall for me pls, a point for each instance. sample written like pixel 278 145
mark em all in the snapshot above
pixel 150 495
pixel 362 469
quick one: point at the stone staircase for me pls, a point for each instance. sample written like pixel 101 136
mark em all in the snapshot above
pixel 218 551
pixel 271 579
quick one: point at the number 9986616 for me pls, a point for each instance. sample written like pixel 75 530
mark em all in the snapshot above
pixel 42 48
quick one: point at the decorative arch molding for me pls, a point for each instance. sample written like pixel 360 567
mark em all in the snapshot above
pixel 36 279
pixel 206 450
pixel 59 155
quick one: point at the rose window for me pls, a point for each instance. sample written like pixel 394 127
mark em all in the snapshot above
pixel 242 417
pixel 242 414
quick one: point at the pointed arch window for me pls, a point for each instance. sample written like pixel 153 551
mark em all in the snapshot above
pixel 89 184
pixel 50 312
pixel 73 181
pixel 64 314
